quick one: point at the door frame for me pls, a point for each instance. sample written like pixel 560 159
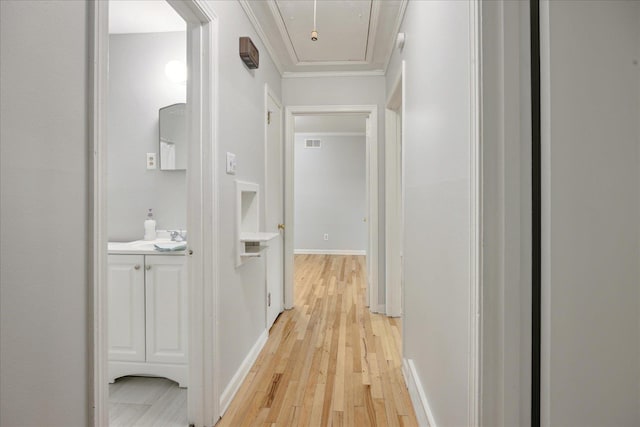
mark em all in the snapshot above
pixel 394 206
pixel 202 214
pixel 372 193
pixel 269 93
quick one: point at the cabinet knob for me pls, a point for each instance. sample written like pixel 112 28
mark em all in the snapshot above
pixel 147 267
pixel 190 251
pixel 136 267
pixel 281 227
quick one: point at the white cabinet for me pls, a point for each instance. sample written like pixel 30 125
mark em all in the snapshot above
pixel 148 316
pixel 126 308
pixel 166 309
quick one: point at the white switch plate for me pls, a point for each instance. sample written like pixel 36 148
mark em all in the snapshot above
pixel 151 161
pixel 326 236
pixel 231 163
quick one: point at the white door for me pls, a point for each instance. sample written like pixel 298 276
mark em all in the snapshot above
pixel 125 279
pixel 166 297
pixel 274 208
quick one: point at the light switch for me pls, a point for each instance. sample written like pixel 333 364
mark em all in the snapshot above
pixel 151 161
pixel 231 163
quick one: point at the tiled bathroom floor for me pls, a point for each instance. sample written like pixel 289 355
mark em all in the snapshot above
pixel 142 401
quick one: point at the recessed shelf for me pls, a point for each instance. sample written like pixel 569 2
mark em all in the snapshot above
pixel 251 240
pixel 257 237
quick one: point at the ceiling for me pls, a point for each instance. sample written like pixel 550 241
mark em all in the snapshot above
pixel 353 35
pixel 143 16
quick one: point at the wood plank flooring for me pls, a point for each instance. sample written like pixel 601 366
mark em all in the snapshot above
pixel 152 402
pixel 328 361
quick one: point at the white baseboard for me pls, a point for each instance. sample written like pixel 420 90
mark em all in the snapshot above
pixel 380 309
pixel 235 383
pixel 418 397
pixel 329 252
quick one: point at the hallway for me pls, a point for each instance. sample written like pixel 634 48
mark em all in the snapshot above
pixel 328 361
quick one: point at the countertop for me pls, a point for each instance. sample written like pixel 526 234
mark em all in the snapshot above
pixel 141 247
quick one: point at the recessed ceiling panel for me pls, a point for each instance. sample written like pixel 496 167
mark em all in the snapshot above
pixel 343 29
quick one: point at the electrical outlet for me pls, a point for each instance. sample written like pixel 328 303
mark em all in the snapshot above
pixel 151 161
pixel 326 236
pixel 231 163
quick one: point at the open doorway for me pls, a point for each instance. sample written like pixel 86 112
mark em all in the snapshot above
pixel 348 233
pixel 153 126
pixel 147 151
pixel 330 204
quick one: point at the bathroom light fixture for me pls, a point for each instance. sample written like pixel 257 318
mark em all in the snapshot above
pixel 314 33
pixel 176 71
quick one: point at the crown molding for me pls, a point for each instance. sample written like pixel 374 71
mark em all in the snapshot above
pixel 396 30
pixel 261 34
pixel 277 16
pixel 245 4
pixel 321 74
pixel 374 19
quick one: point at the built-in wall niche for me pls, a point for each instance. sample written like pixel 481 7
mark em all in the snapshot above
pixel 251 241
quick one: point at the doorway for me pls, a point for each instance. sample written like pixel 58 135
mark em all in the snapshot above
pixel 370 217
pixel 146 175
pixel 198 364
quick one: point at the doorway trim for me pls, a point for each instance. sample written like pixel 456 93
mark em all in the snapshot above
pixel 372 193
pixel 394 203
pixel 202 216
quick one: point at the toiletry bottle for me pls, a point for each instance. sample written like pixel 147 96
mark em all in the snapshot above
pixel 150 227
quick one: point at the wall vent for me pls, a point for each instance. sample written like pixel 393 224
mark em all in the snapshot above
pixel 312 143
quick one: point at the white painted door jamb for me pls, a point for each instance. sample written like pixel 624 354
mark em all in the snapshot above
pixel 475 243
pixel 394 193
pixel 372 197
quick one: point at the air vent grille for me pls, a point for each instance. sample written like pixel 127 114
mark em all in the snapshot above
pixel 312 143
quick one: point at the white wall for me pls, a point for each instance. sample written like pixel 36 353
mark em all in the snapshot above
pixel 437 201
pixel 348 91
pixel 506 187
pixel 44 216
pixel 138 88
pixel 330 193
pixel 591 213
pixel 240 131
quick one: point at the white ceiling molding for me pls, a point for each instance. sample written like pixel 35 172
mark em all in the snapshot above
pixel 373 29
pixel 365 30
pixel 273 7
pixel 396 30
pixel 261 34
pixel 315 74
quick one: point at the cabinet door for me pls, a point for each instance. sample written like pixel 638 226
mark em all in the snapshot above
pixel 125 280
pixel 166 295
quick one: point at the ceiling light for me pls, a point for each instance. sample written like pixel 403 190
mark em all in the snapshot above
pixel 314 33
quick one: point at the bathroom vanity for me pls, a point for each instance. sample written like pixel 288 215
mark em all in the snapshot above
pixel 147 312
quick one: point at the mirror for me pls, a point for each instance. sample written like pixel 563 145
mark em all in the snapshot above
pixel 173 137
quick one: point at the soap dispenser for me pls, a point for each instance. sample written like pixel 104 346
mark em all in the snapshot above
pixel 150 227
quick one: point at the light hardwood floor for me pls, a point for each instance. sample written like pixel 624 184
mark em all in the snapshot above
pixel 152 402
pixel 328 361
